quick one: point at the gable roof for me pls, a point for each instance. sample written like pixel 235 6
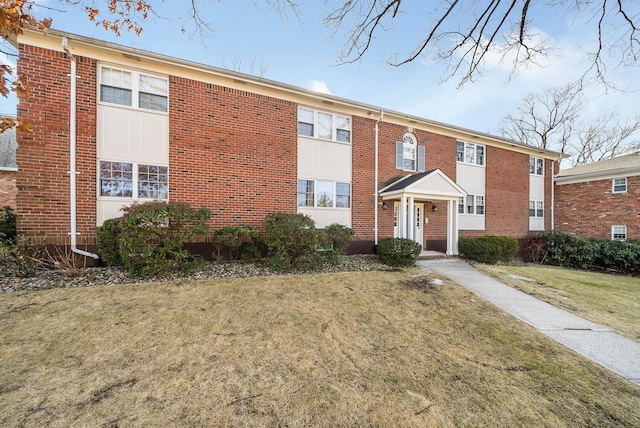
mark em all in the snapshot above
pixel 133 57
pixel 619 166
pixel 426 185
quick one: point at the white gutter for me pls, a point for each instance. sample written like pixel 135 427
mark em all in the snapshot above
pixel 72 156
pixel 375 184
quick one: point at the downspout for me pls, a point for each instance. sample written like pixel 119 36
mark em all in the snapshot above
pixel 72 156
pixel 553 193
pixel 375 181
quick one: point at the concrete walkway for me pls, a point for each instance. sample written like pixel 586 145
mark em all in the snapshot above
pixel 598 343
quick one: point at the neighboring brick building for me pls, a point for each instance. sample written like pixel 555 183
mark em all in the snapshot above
pixel 601 199
pixel 8 168
pixel 150 127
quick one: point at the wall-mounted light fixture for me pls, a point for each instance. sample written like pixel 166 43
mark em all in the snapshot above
pixel 434 208
pixel 384 206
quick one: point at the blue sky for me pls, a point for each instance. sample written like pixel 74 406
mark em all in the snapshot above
pixel 254 40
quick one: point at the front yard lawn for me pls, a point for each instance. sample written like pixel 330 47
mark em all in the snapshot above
pixel 341 349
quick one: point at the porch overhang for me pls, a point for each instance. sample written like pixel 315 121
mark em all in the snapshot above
pixel 428 186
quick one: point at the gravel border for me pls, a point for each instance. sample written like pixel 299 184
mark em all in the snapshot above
pixel 101 276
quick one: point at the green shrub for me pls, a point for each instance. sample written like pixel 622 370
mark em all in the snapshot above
pixel 339 236
pixel 24 257
pixel 291 241
pixel 7 225
pixel 237 242
pixel 108 242
pixel 398 252
pixel 153 235
pixel 567 250
pixel 488 249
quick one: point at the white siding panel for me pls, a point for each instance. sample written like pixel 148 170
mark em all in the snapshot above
pixel 114 134
pixel 471 222
pixel 324 160
pixel 132 136
pixel 536 188
pixel 154 138
pixel 536 223
pixel 471 178
pixel 107 209
pixel 325 216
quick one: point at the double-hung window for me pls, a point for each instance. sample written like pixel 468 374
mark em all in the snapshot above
pixel 133 89
pixel 324 125
pixel 324 194
pixel 536 209
pixel 619 233
pixel 469 153
pixel 620 185
pixel 536 166
pixel 409 155
pixel 472 204
pixel 133 181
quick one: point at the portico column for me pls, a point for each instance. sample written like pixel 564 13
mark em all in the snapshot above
pixel 402 217
pixel 410 220
pixel 454 230
pixel 450 226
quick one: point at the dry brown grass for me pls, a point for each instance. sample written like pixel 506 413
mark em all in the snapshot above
pixel 347 349
pixel 610 300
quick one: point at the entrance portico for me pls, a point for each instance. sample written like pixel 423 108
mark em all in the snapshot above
pixel 410 194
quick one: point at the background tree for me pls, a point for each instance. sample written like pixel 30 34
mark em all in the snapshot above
pixel 463 33
pixel 553 119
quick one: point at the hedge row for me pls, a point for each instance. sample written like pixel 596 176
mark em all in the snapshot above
pixel 488 249
pixel 150 238
pixel 567 250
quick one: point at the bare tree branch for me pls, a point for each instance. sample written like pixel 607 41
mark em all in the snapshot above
pixel 463 32
pixel 552 120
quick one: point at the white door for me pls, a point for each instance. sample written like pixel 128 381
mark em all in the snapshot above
pixel 402 229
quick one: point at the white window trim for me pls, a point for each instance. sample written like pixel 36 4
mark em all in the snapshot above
pixel 134 196
pixel 613 232
pixel 135 88
pixel 335 195
pixel 613 185
pixel 475 154
pixel 535 168
pixel 474 200
pixel 334 125
pixel 536 204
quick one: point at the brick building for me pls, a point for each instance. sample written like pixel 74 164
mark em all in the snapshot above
pixel 601 199
pixel 141 126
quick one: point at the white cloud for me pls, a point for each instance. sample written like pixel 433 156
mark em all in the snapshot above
pixel 319 86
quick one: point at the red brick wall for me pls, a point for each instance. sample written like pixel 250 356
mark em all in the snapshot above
pixel 589 209
pixel 507 194
pixel 8 189
pixel 43 155
pixel 440 153
pixel 232 151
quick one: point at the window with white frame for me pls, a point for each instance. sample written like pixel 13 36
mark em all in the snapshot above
pixel 134 181
pixel 536 209
pixel 536 166
pixel 409 155
pixel 324 194
pixel 469 153
pixel 620 185
pixel 472 204
pixel 328 126
pixel 133 89
pixel 619 233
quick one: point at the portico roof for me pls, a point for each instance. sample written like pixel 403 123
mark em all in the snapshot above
pixel 429 185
